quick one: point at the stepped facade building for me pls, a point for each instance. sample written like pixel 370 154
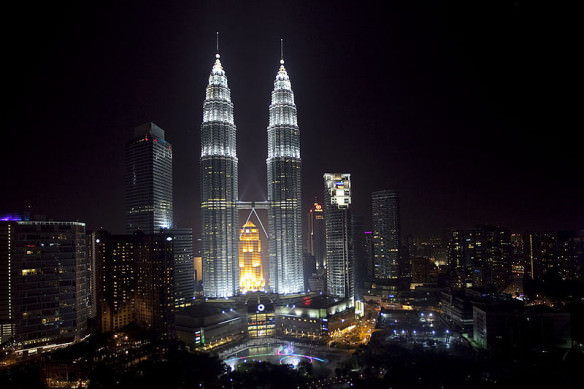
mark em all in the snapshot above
pixel 284 189
pixel 219 218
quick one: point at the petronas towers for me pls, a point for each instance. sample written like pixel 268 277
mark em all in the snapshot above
pixel 284 190
pixel 219 190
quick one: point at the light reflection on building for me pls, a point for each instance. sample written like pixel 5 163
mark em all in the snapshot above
pixel 250 261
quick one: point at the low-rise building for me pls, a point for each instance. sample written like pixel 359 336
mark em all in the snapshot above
pixel 510 327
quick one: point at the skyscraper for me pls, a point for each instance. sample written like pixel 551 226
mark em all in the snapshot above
pixel 219 219
pixel 339 237
pixel 44 286
pixel 316 235
pixel 148 180
pixel 116 274
pixel 480 257
pixel 284 189
pixel 155 282
pixel 184 272
pixel 135 274
pixel 386 236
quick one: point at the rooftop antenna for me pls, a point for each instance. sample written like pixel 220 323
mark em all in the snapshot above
pixel 282 51
pixel 217 55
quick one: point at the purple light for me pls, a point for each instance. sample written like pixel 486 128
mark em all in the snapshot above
pixel 368 232
pixel 11 218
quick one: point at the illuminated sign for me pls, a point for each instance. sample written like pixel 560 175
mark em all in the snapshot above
pixel 261 307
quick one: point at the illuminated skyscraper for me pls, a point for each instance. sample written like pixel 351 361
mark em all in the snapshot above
pixel 284 191
pixel 148 180
pixel 250 261
pixel 339 237
pixel 44 286
pixel 219 229
pixel 386 236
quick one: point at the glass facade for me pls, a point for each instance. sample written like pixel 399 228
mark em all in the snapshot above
pixel 148 180
pixel 46 296
pixel 316 235
pixel 184 272
pixel 219 217
pixel 386 234
pixel 339 239
pixel 284 190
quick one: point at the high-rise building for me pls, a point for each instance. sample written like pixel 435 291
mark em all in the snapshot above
pixel 116 275
pixel 250 259
pixel 316 244
pixel 219 217
pixel 92 278
pixel 155 306
pixel 284 189
pixel 560 253
pixel 360 256
pixel 44 287
pixel 368 242
pixel 148 180
pixel 480 257
pixel 386 236
pixel 135 275
pixel 339 237
pixel 184 272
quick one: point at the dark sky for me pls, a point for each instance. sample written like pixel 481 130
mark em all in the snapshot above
pixel 457 106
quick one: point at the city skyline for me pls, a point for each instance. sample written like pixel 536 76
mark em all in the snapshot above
pixel 408 99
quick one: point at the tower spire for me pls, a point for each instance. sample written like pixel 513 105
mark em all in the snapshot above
pixel 282 51
pixel 217 55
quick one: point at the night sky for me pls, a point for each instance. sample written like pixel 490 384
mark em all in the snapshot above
pixel 457 106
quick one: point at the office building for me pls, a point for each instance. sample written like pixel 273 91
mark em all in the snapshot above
pixel 116 275
pixel 339 239
pixel 44 285
pixel 386 236
pixel 148 180
pixel 480 257
pixel 184 270
pixel 219 218
pixel 92 276
pixel 284 189
pixel 316 243
pixel 136 281
pixel 155 308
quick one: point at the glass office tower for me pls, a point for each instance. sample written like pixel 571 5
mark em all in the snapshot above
pixel 339 238
pixel 44 288
pixel 148 180
pixel 386 235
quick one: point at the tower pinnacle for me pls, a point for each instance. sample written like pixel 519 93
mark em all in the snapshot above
pixel 282 51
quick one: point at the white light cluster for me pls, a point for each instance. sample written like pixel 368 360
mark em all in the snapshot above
pixel 218 150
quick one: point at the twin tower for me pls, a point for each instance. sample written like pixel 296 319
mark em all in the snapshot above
pixel 219 190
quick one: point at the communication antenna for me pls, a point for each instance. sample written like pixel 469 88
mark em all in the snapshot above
pixel 282 51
